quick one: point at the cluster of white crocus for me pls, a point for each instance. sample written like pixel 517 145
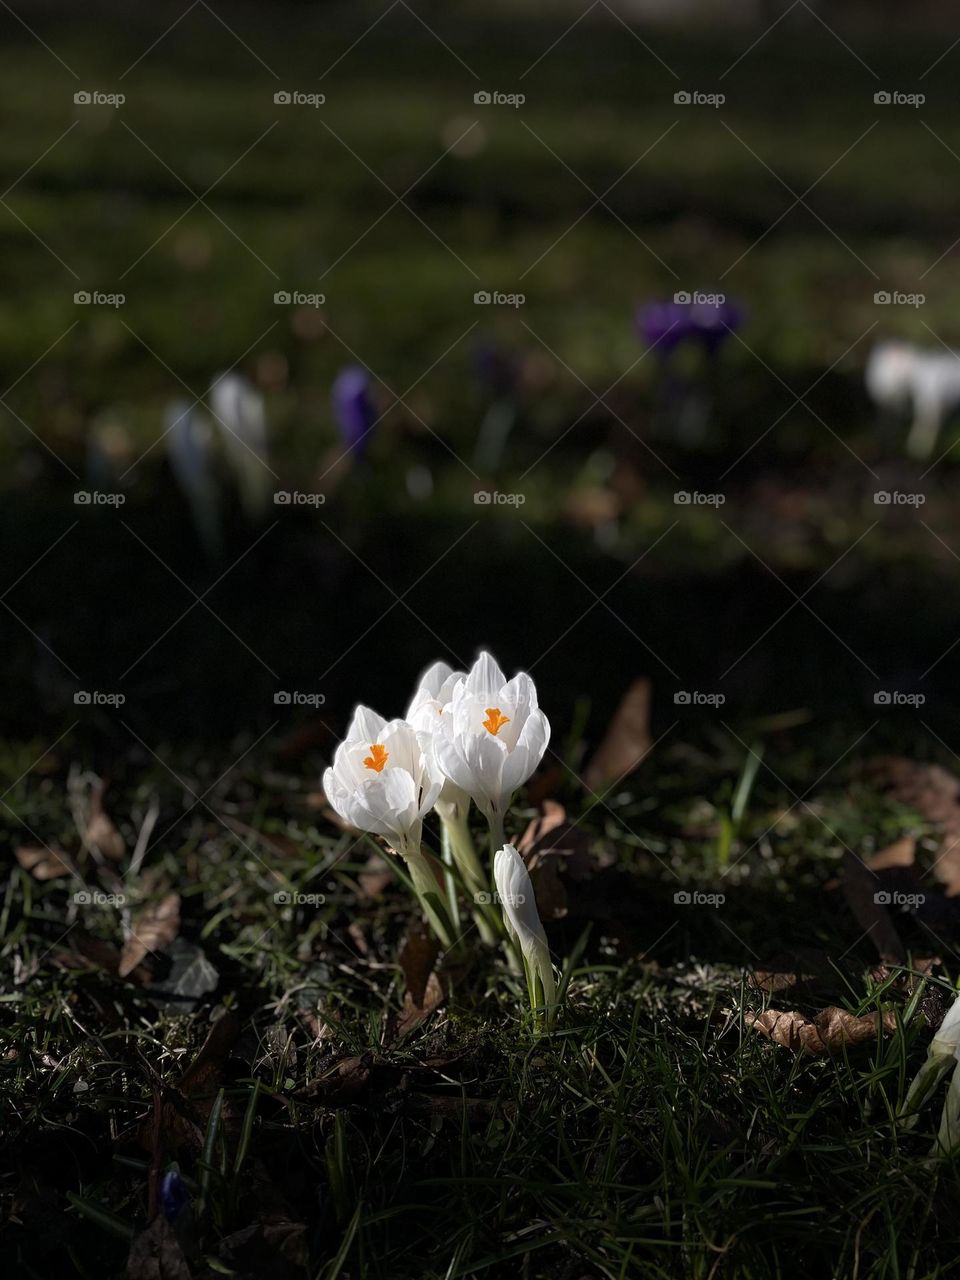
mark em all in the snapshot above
pixel 943 1054
pixel 467 737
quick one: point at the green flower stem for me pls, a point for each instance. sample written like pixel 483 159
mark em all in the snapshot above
pixel 429 892
pixel 456 831
pixel 449 859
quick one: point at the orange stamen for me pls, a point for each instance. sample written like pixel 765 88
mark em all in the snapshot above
pixel 377 758
pixel 495 720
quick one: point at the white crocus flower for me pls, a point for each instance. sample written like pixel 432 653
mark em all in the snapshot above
pixel 943 1053
pixel 384 780
pixel 238 409
pixel 431 700
pixel 491 738
pixel 522 920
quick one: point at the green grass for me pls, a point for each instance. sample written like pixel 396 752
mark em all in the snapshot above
pixel 652 1134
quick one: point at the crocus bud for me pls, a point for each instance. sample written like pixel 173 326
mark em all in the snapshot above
pixel 520 915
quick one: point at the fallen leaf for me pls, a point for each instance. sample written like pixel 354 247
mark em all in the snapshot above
pixel 902 853
pixel 771 982
pixel 861 888
pixel 156 1254
pixel 101 834
pixel 555 849
pixel 829 1032
pixel 204 1073
pixel 153 929
pixel 341 1085
pixel 935 793
pixel 626 742
pixel 414 1013
pixel 192 974
pixel 178 1124
pixel 418 951
pixel 43 863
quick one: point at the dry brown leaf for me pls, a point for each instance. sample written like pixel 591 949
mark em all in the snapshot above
pixel 414 1013
pixel 204 1073
pixel 43 863
pixel 935 793
pixel 425 992
pixel 902 853
pixel 829 1032
pixel 101 834
pixel 626 741
pixel 418 952
pixel 156 1254
pixel 860 888
pixel 771 981
pixel 153 929
pixel 341 1085
pixel 554 849
pixel 179 1121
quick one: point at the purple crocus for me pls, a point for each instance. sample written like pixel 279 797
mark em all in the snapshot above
pixel 666 325
pixel 495 369
pixel 353 407
pixel 173 1195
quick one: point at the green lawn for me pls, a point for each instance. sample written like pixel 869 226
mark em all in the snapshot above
pixel 655 1133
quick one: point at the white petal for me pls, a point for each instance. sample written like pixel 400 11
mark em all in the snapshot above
pixel 527 754
pixel 365 724
pixel 485 676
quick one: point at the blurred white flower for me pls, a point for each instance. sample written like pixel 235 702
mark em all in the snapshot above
pixel 491 737
pixel 902 378
pixel 189 450
pixel 522 920
pixel 238 409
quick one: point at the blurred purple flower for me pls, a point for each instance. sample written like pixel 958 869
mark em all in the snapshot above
pixel 173 1195
pixel 665 325
pixel 353 407
pixel 495 369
